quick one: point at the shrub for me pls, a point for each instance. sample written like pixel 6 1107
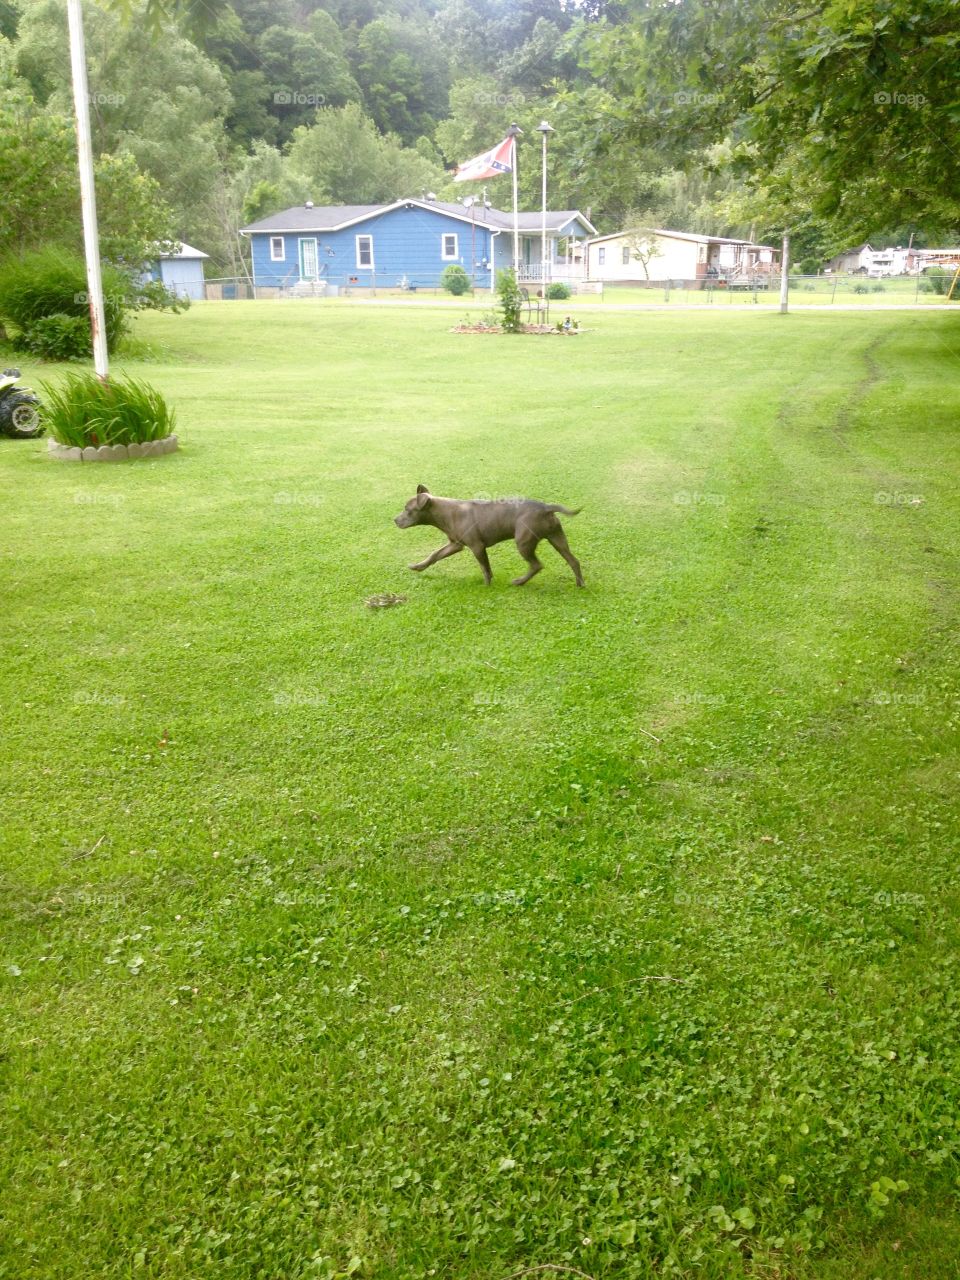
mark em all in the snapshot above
pixel 82 411
pixel 455 280
pixel 56 337
pixel 878 288
pixel 511 301
pixel 53 283
pixel 558 291
pixel 861 288
pixel 939 279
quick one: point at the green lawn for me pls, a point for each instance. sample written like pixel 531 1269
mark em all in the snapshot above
pixel 611 929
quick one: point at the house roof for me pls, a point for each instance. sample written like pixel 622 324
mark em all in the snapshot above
pixel 186 251
pixel 678 235
pixel 335 217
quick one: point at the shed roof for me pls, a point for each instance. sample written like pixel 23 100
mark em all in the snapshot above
pixel 185 251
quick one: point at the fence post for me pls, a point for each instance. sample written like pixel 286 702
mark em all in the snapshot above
pixel 785 273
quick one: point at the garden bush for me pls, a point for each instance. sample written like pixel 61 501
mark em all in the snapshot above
pixel 455 280
pixel 44 294
pixel 511 301
pixel 81 410
pixel 557 291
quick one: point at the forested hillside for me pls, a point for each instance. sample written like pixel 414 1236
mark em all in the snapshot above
pixel 270 102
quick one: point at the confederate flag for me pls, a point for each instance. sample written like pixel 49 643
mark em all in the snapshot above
pixel 491 164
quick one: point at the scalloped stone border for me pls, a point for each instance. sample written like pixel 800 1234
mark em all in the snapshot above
pixel 112 452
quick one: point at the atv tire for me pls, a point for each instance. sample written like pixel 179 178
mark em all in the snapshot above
pixel 20 416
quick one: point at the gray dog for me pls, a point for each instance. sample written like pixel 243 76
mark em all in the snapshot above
pixel 479 525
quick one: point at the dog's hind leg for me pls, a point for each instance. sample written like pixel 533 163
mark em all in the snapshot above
pixel 558 541
pixel 527 546
pixel 450 549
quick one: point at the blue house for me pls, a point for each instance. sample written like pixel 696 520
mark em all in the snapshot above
pixel 406 244
pixel 180 272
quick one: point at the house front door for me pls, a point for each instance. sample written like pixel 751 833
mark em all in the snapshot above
pixel 308 259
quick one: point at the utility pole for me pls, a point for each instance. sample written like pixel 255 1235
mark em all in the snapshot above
pixel 88 195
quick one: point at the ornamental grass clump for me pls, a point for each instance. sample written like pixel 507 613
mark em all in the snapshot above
pixel 81 410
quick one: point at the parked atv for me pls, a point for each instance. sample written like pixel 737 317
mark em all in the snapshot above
pixel 19 408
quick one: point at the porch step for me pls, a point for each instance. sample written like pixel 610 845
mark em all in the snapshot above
pixel 307 289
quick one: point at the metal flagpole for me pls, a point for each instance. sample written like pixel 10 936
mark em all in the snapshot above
pixel 88 196
pixel 514 132
pixel 784 273
pixel 543 129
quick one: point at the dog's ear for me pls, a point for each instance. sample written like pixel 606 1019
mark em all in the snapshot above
pixel 422 498
pixel 422 488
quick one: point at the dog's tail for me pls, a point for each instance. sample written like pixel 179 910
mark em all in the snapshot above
pixel 567 511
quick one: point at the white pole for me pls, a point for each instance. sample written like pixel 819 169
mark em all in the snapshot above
pixel 784 273
pixel 543 129
pixel 516 216
pixel 88 197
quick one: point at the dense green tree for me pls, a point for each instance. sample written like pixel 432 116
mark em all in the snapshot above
pixel 41 189
pixel 402 71
pixel 845 110
pixel 162 101
pixel 344 159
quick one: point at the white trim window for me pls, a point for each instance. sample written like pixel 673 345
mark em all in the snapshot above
pixel 602 256
pixel 449 246
pixel 626 255
pixel 278 249
pixel 364 253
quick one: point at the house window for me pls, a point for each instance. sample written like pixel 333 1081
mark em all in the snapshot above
pixel 601 256
pixel 449 249
pixel 277 249
pixel 626 255
pixel 365 252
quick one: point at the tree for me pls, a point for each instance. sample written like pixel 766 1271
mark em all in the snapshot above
pixel 643 247
pixel 38 154
pixel 844 109
pixel 344 159
pixel 403 74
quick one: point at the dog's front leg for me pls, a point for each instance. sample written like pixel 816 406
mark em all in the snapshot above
pixel 450 549
pixel 484 561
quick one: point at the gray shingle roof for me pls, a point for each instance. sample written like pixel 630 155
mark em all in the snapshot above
pixel 329 217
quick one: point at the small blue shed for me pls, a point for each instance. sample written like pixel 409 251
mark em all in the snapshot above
pixel 181 272
pixel 406 244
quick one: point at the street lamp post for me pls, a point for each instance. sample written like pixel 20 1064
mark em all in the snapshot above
pixel 543 129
